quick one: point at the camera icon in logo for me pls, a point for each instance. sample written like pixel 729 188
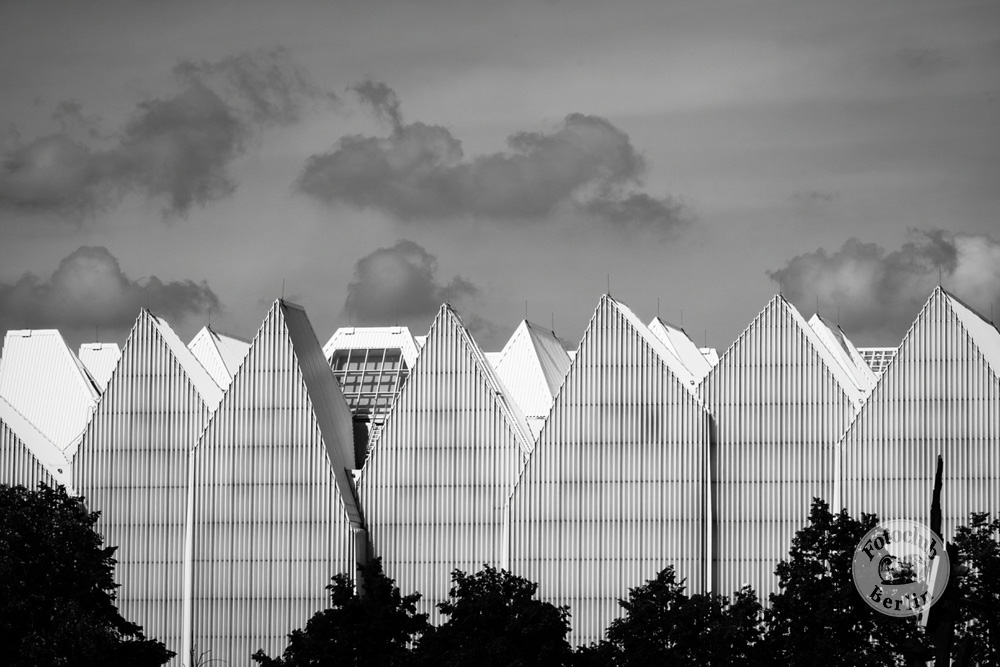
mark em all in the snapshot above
pixel 900 568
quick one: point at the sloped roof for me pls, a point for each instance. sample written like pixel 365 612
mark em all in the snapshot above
pixel 220 353
pixel 44 450
pixel 203 381
pixel 371 338
pixel 983 333
pixel 45 382
pixel 673 362
pixel 100 359
pixel 680 344
pixel 844 378
pixel 532 366
pixel 844 351
pixel 711 355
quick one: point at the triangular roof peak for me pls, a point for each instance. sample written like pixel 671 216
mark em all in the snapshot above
pixel 779 304
pixel 671 360
pixel 448 320
pixel 204 383
pixel 219 353
pixel 532 366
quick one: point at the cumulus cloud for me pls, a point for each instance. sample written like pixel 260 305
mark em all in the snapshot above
pixel 419 171
pixel 89 290
pixel 400 285
pixel 879 293
pixel 177 149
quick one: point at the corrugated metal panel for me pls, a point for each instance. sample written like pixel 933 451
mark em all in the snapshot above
pixel 939 395
pixel 617 487
pixel 132 466
pixel 368 338
pixel 780 401
pixel 220 354
pixel 678 342
pixel 532 366
pixel 46 383
pixel 27 457
pixel 100 360
pixel 274 513
pixel 434 486
pixel 844 352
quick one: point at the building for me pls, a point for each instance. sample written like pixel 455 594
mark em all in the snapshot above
pixel 237 477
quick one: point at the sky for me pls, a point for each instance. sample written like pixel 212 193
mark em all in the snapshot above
pixel 371 160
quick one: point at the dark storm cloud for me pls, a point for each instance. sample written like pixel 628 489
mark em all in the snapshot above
pixel 420 171
pixel 400 284
pixel 89 290
pixel 176 148
pixel 879 293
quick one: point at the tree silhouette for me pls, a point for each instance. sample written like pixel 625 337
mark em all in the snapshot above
pixel 57 590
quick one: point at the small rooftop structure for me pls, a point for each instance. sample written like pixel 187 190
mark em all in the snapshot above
pixel 221 354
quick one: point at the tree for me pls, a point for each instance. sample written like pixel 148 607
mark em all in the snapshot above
pixel 979 587
pixel 57 590
pixel 372 628
pixel 494 619
pixel 818 618
pixel 663 626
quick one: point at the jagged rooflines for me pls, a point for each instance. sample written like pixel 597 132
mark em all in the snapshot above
pixel 41 451
pixel 220 354
pixel 202 380
pixel 682 347
pixel 844 352
pixel 580 359
pixel 580 452
pixel 843 380
pixel 514 416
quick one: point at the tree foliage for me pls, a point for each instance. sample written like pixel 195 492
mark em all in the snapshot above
pixel 57 590
pixel 818 618
pixel 663 626
pixel 979 587
pixel 373 628
pixel 494 620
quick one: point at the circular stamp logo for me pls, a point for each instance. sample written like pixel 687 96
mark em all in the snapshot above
pixel 900 567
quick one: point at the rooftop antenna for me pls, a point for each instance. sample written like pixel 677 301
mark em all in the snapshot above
pixel 838 315
pixel 657 307
pixel 817 304
pixel 525 309
pixel 209 317
pixel 97 327
pixel 682 318
pixel 609 284
pixel 282 289
pixel 553 314
pixel 704 341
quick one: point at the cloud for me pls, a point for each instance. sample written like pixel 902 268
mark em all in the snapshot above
pixel 879 293
pixel 89 290
pixel 177 148
pixel 381 98
pixel 923 60
pixel 400 285
pixel 584 165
